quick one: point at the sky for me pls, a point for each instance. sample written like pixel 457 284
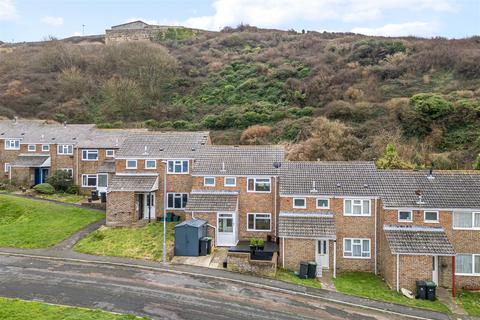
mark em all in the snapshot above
pixel 33 20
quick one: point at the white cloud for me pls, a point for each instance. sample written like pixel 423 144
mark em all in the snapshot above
pixel 8 10
pixel 76 34
pixel 53 21
pixel 415 28
pixel 275 13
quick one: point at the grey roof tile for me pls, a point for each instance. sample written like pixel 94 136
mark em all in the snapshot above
pixel 31 160
pixel 106 138
pixel 418 240
pixel 329 178
pixel 107 166
pixel 238 160
pixel 163 145
pixel 138 183
pixel 447 189
pixel 310 225
pixel 212 201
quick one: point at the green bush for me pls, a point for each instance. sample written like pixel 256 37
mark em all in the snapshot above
pixel 431 105
pixel 476 164
pixel 44 188
pixel 61 181
pixel 73 189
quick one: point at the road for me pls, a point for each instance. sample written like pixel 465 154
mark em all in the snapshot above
pixel 159 295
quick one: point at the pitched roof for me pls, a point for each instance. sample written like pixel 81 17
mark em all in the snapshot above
pixel 31 160
pixel 138 183
pixel 417 240
pixel 106 138
pixel 306 225
pixel 212 201
pixel 163 145
pixel 446 190
pixel 238 160
pixel 39 131
pixel 107 166
pixel 329 178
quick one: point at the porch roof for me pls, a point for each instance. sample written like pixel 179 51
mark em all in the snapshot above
pixel 310 225
pixel 212 201
pixel 31 161
pixel 107 166
pixel 418 240
pixel 134 183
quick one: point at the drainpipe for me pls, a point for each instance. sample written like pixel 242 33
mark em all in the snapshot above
pixel 334 259
pixel 149 205
pixel 164 253
pixel 275 210
pixel 283 252
pixel 398 273
pixel 375 213
pixel 454 284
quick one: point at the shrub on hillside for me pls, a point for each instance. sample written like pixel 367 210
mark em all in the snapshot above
pixel 431 105
pixel 44 188
pixel 254 134
pixel 61 180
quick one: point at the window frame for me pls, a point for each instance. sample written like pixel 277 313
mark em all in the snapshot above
pixel 205 184
pixel 150 168
pixel 403 220
pixel 34 149
pixel 304 206
pixel 319 198
pixel 47 149
pixel 175 162
pixel 255 221
pixel 431 221
pixel 126 164
pixel 89 175
pixel 230 185
pixel 62 147
pixel 8 144
pixel 174 194
pixel 255 184
pixel 352 214
pixel 87 152
pixel 7 168
pixel 361 249
pixel 472 213
pixel 473 273
pixel 109 156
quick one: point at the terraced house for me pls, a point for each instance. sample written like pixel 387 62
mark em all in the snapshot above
pixel 346 216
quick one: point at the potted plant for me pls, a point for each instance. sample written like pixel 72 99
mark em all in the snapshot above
pixel 260 244
pixel 253 247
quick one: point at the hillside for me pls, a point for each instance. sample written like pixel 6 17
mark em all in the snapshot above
pixel 329 96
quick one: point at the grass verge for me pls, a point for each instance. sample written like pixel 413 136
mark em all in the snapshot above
pixel 470 302
pixel 289 276
pixel 16 309
pixel 139 243
pixel 28 223
pixel 62 197
pixel 371 286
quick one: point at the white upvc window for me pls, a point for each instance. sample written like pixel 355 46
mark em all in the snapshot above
pixel 12 144
pixel 467 264
pixel 131 164
pixel 89 180
pixel 32 148
pixel 7 167
pixel 151 164
pixel 323 203
pixel 45 147
pixel 209 181
pixel 177 200
pixel 356 248
pixel 68 170
pixel 466 220
pixel 259 221
pixel 65 149
pixel 299 203
pixel 177 166
pixel 258 185
pixel 356 207
pixel 230 182
pixel 430 216
pixel 109 153
pixel 405 215
pixel 90 155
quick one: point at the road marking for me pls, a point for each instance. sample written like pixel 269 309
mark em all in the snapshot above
pixel 253 284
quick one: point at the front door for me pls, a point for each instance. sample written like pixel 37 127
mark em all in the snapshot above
pixel 102 182
pixel 149 203
pixel 226 234
pixel 435 269
pixel 322 258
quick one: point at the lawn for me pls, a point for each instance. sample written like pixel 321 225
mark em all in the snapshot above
pixel 470 302
pixel 139 243
pixel 28 223
pixel 15 309
pixel 371 286
pixel 62 197
pixel 289 276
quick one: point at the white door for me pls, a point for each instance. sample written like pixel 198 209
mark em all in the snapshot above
pixel 322 258
pixel 435 269
pixel 226 233
pixel 149 206
pixel 102 182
